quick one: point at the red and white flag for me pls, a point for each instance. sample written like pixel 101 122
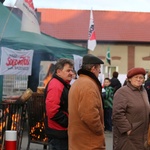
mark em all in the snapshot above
pixel 29 18
pixel 91 35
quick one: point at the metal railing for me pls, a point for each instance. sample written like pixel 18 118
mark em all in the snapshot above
pixel 12 117
pixel 36 119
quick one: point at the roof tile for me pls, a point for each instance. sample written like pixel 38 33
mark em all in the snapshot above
pixel 109 25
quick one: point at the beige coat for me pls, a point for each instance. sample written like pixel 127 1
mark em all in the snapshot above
pixel 86 125
pixel 130 112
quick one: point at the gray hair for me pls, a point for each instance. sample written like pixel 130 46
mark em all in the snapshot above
pixel 62 62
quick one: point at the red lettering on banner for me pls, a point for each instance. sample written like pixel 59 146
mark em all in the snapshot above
pixel 30 3
pixel 24 61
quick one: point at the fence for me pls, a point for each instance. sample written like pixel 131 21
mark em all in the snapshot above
pixel 12 117
pixel 14 84
pixel 36 117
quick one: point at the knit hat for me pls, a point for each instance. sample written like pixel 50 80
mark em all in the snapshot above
pixel 135 71
pixel 91 59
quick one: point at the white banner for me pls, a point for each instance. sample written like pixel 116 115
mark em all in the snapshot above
pixel 77 62
pixel 16 62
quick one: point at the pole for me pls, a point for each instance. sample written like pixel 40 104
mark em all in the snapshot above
pixel 1 36
pixel 11 140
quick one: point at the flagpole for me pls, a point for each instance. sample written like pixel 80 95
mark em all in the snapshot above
pixel 91 33
pixel 1 36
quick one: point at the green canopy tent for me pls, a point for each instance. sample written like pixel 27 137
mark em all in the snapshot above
pixel 12 37
pixel 45 47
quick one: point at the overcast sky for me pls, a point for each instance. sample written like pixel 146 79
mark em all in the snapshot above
pixel 120 5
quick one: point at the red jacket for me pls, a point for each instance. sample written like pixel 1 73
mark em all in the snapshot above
pixel 57 107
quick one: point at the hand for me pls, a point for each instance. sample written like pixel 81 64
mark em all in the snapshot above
pixel 129 132
pixel 146 145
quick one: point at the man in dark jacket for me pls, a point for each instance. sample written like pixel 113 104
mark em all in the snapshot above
pixel 57 105
pixel 115 83
pixel 147 85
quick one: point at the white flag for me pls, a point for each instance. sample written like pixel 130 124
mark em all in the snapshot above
pixel 91 35
pixel 77 62
pixel 29 17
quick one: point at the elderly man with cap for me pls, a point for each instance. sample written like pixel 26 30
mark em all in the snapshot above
pixel 131 113
pixel 86 124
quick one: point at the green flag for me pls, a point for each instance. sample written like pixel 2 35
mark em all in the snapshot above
pixel 108 56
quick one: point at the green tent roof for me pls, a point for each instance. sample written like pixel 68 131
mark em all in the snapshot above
pixel 12 37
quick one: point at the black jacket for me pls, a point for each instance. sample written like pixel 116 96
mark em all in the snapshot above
pixel 56 99
pixel 147 87
pixel 115 83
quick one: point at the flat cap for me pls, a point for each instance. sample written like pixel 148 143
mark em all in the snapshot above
pixel 135 71
pixel 91 59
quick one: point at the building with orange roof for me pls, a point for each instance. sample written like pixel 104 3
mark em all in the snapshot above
pixel 127 34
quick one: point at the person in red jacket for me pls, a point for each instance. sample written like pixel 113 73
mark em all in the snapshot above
pixel 57 105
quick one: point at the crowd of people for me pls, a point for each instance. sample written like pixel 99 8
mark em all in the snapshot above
pixel 79 114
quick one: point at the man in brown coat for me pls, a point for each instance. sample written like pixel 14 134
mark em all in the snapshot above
pixel 86 125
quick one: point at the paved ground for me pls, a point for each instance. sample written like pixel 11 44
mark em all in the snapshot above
pixel 109 140
pixel 40 147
